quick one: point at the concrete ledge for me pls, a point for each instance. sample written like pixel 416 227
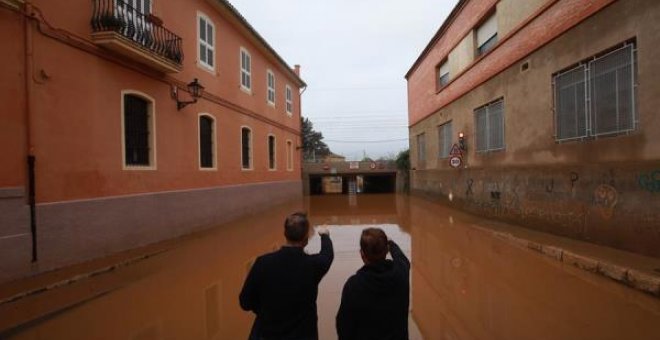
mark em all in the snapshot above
pixel 642 280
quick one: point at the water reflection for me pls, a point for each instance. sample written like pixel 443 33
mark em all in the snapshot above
pixel 469 285
pixel 465 283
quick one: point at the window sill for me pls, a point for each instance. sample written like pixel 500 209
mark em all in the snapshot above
pixel 200 64
pixel 246 90
pixel 208 169
pixel 139 168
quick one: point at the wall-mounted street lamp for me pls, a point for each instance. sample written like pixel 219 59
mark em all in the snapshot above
pixel 461 141
pixel 194 88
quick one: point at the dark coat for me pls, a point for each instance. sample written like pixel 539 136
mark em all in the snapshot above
pixel 374 303
pixel 281 289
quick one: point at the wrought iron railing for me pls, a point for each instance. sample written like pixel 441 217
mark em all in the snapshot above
pixel 144 29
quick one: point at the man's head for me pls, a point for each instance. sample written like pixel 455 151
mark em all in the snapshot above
pixel 296 229
pixel 373 245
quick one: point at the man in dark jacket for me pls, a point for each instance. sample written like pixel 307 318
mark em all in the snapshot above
pixel 282 286
pixel 374 303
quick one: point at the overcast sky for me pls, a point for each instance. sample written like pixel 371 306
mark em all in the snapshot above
pixel 354 56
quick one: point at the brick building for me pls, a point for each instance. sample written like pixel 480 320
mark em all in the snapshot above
pixel 557 102
pixel 124 147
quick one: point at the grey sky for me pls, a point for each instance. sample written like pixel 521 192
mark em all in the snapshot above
pixel 354 55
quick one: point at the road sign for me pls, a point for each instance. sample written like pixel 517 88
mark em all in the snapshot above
pixel 455 162
pixel 456 151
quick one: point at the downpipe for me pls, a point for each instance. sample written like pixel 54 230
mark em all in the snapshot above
pixel 31 159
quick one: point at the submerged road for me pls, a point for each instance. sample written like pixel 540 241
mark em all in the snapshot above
pixel 466 283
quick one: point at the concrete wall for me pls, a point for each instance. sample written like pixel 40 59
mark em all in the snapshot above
pixel 617 174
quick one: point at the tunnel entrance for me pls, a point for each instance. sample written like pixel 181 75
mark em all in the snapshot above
pixel 352 184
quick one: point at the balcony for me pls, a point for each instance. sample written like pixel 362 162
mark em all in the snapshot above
pixel 118 26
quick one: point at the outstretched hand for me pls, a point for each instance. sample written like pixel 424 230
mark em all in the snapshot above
pixel 322 230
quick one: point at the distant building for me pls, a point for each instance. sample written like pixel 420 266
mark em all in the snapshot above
pixel 334 158
pixel 94 94
pixel 558 104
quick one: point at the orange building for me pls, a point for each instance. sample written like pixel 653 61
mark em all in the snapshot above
pixel 103 121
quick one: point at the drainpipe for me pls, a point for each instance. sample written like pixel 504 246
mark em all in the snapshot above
pixel 31 159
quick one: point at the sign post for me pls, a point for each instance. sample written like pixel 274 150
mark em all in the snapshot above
pixel 456 157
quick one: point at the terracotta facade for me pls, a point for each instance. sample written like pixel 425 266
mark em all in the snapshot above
pixel 62 94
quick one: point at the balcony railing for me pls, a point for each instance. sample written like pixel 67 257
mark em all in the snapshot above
pixel 128 24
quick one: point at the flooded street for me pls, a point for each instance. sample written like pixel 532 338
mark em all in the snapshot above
pixel 466 284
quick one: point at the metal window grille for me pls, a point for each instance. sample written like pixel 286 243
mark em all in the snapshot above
pixel 246 136
pixel 271 152
pixel 489 121
pixel 246 66
pixel 570 104
pixel 445 134
pixel 421 147
pixel 206 142
pixel 597 98
pixel 612 92
pixel 136 131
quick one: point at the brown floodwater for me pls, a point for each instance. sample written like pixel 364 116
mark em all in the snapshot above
pixel 466 284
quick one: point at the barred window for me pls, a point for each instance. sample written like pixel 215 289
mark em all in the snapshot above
pixel 445 134
pixel 421 147
pixel 489 122
pixel 206 41
pixel 137 131
pixel 206 142
pixel 270 82
pixel 246 148
pixel 271 152
pixel 597 98
pixel 246 70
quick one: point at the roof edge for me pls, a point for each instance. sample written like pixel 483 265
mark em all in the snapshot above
pixel 443 28
pixel 233 11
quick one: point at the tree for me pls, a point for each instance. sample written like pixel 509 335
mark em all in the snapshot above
pixel 313 145
pixel 403 160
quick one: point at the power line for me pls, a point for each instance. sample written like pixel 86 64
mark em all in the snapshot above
pixel 366 141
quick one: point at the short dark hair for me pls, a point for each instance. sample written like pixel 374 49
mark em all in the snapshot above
pixel 373 244
pixel 296 227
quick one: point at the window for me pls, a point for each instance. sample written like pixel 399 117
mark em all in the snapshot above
pixel 421 147
pixel 445 144
pixel 271 153
pixel 206 142
pixel 487 35
pixel 138 134
pixel 246 148
pixel 205 35
pixel 289 100
pixel 443 74
pixel 597 97
pixel 289 155
pixel 489 122
pixel 270 82
pixel 246 70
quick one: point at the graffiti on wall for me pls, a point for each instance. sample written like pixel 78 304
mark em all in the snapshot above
pixel 605 199
pixel 650 181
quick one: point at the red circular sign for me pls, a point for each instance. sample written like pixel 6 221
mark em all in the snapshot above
pixel 455 162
